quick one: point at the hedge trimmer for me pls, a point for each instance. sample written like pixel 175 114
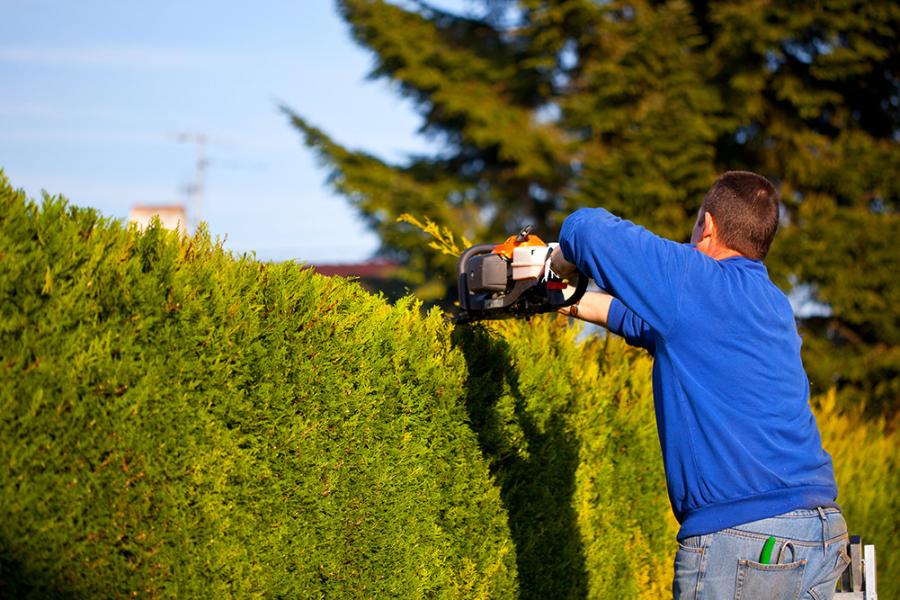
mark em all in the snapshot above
pixel 513 280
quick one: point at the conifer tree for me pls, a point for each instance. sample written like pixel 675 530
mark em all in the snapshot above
pixel 544 106
pixel 812 97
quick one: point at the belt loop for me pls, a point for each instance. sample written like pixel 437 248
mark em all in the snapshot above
pixel 824 522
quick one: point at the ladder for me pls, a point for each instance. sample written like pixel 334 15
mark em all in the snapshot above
pixel 858 580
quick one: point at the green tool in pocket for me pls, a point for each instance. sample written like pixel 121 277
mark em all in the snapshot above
pixel 766 555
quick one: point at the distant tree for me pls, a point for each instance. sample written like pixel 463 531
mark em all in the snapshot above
pixel 541 107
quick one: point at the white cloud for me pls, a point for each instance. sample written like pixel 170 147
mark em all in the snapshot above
pixel 29 109
pixel 82 136
pixel 100 56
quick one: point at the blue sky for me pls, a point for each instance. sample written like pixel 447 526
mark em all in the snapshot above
pixel 95 93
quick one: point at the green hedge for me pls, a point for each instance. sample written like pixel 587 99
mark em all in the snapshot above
pixel 180 423
pixel 867 467
pixel 176 421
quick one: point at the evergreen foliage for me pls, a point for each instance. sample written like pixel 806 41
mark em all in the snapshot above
pixel 867 468
pixel 544 106
pixel 176 422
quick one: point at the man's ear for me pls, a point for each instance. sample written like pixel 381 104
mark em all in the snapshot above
pixel 709 225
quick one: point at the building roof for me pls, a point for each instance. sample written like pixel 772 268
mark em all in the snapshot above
pixel 157 208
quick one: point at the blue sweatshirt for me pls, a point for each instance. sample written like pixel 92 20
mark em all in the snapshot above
pixel 739 441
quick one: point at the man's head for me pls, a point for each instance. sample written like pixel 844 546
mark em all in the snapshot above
pixel 740 214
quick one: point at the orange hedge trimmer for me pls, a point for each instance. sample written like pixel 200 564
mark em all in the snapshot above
pixel 512 280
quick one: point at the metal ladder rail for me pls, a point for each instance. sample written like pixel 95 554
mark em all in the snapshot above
pixel 858 581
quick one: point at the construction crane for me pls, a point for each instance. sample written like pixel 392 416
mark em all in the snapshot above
pixel 188 215
pixel 195 190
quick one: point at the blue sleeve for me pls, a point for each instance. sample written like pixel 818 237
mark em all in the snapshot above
pixel 634 329
pixel 639 268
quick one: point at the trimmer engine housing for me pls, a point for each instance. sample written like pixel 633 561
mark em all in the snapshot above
pixel 512 280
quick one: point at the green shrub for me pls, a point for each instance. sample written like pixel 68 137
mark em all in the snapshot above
pixel 867 468
pixel 177 422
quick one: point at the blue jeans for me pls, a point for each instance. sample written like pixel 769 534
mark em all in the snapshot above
pixel 810 554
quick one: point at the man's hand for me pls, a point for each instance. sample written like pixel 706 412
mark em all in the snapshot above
pixel 560 265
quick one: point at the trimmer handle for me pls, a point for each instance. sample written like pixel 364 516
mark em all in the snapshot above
pixel 580 289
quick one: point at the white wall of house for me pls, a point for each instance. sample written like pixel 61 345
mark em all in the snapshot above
pixel 170 216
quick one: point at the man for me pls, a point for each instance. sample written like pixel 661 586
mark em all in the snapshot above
pixel 741 449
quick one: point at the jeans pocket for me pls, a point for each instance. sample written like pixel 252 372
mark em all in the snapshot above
pixel 824 588
pixel 756 581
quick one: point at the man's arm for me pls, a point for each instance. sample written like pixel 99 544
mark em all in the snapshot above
pixel 644 271
pixel 602 309
pixel 593 308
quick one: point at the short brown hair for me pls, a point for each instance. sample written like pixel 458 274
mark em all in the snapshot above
pixel 745 206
